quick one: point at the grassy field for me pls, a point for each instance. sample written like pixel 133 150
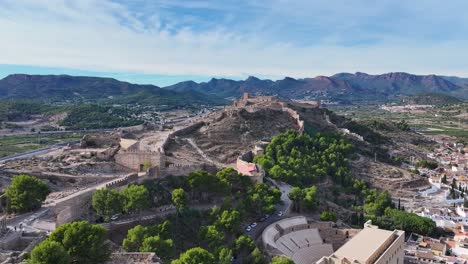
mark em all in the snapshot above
pixel 13 145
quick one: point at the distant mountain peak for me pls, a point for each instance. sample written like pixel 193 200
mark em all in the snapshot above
pixel 252 79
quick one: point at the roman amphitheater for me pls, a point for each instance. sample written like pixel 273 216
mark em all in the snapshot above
pixel 304 241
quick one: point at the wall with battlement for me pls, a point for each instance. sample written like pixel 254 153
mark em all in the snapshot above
pixel 294 114
pixel 72 209
pixel 138 160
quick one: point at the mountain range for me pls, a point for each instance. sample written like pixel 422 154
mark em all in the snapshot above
pixel 65 88
pixel 342 87
pixel 345 87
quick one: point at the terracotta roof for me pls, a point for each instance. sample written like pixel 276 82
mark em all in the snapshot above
pixel 425 255
pixel 451 243
pixel 246 168
pixel 437 246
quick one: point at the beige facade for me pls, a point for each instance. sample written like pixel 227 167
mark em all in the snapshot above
pixel 370 246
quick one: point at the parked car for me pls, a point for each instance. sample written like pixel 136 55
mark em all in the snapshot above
pixel 248 228
pixel 252 225
pixel 114 217
pixel 280 213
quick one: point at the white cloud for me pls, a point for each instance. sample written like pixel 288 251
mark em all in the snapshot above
pixel 106 36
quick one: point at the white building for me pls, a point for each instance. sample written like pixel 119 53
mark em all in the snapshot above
pixel 371 245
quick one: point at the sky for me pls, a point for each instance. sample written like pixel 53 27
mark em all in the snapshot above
pixel 166 41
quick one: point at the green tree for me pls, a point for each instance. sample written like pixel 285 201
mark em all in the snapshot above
pixel 244 243
pixel 224 256
pixel 297 196
pixel 136 198
pixel 409 222
pixel 135 237
pixel 26 193
pixel 376 203
pixel 84 242
pixel 229 220
pixel 202 182
pixel 256 257
pixel 49 252
pixel 328 216
pixel 179 199
pixel 108 202
pixel 281 260
pixel 211 236
pixel 195 255
pixel 231 178
pixel 260 198
pixel 310 197
pixel 164 248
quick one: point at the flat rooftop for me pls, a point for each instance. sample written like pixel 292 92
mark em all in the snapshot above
pixel 363 245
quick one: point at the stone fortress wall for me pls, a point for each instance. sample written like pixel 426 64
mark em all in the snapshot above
pixel 141 160
pixel 72 209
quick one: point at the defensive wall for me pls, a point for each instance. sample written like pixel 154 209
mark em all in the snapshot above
pixel 79 203
pixel 140 160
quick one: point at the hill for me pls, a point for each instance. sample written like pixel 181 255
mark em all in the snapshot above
pixel 65 88
pixel 343 87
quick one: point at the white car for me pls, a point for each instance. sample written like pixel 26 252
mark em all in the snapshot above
pixel 114 217
pixel 248 228
pixel 253 225
pixel 280 213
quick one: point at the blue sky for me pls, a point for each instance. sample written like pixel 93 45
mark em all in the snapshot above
pixel 166 41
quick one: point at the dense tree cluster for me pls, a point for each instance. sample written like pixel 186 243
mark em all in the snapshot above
pixel 212 236
pixel 195 256
pixel 328 216
pixel 301 159
pixel 260 198
pixel 427 164
pixel 25 193
pixel 303 197
pixel 150 239
pixel 15 110
pixel 94 116
pixel 77 242
pixel 49 252
pixel 108 202
pixel 131 199
pixel 179 199
pixel 409 222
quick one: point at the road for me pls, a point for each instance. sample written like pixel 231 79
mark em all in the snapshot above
pixel 37 151
pixel 160 214
pixel 285 207
pixel 25 221
pixel 19 133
